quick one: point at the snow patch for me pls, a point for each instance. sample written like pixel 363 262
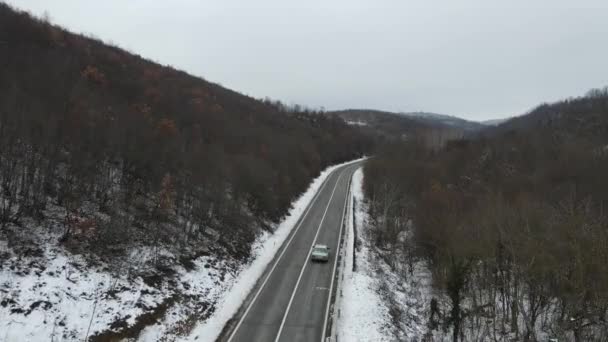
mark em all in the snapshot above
pixel 356 123
pixel 494 122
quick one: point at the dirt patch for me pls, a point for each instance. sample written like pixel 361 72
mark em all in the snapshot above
pixel 41 303
pixel 124 331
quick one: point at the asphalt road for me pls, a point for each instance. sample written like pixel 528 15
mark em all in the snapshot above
pixel 290 302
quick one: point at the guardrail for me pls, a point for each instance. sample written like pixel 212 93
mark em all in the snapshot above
pixel 336 295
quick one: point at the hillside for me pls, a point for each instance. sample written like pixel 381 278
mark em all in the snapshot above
pixel 445 120
pixel 118 176
pixel 512 227
pixel 381 123
pixel 73 105
pixel 434 129
pixel 583 116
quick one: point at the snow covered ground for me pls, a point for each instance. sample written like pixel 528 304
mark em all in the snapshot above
pixel 363 315
pixel 57 296
pixel 49 294
pixel 376 304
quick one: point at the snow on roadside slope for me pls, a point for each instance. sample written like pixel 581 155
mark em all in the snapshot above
pixel 377 303
pixel 265 249
pixel 57 297
pixel 363 315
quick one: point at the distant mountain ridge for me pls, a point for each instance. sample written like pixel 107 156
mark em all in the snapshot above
pixel 584 116
pixel 444 119
pixel 399 125
pixel 380 123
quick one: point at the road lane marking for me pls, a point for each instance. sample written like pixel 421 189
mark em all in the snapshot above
pixel 306 262
pixel 280 256
pixel 333 274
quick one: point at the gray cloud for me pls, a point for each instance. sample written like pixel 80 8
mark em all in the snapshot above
pixel 477 59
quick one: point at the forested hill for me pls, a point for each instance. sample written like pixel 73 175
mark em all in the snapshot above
pixel 434 129
pixel 384 123
pixel 95 129
pixel 446 120
pixel 580 117
pixel 512 226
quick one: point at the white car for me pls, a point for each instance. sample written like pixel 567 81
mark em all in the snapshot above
pixel 320 253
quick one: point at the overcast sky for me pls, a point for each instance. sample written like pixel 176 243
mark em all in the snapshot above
pixel 477 59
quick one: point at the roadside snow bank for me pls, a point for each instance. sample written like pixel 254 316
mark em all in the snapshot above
pixel 362 312
pixel 265 249
pixel 377 304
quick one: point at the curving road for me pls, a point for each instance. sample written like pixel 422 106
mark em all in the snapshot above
pixel 290 301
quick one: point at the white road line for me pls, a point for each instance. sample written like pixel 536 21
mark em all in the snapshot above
pixel 311 204
pixel 293 294
pixel 333 274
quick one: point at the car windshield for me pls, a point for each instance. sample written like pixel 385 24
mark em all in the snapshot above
pixel 320 249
